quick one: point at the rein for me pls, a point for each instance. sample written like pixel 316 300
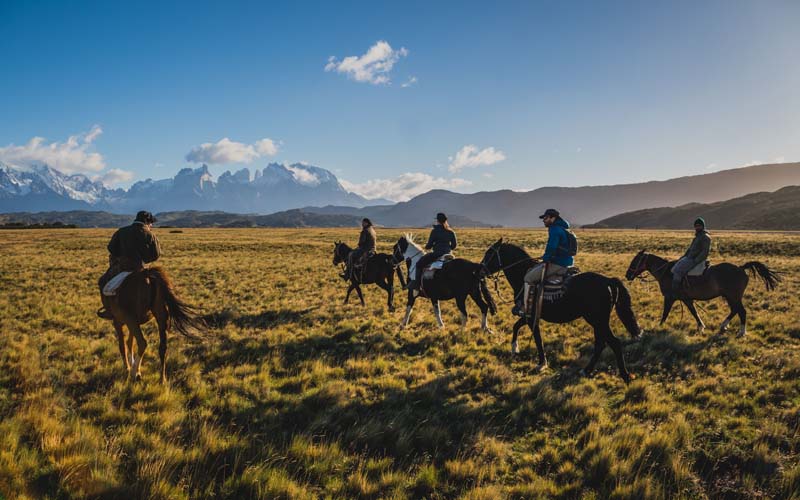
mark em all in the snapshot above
pixel 495 275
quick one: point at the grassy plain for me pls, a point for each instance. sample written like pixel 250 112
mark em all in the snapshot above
pixel 294 395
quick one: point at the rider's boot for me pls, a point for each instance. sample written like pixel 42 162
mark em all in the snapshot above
pixel 104 313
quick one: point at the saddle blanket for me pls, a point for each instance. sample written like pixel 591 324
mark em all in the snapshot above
pixel 113 285
pixel 699 269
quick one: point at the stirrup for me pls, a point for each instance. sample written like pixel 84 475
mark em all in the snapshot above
pixel 104 313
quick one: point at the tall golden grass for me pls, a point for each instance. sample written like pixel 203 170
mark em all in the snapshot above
pixel 294 395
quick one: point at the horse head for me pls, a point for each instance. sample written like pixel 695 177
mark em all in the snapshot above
pixel 637 267
pixel 492 262
pixel 337 253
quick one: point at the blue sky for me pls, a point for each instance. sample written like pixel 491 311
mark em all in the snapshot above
pixel 466 95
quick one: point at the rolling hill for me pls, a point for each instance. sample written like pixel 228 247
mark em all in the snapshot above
pixel 583 205
pixel 778 210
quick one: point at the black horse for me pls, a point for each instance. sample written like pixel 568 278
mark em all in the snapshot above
pixel 721 280
pixel 458 279
pixel 379 270
pixel 590 296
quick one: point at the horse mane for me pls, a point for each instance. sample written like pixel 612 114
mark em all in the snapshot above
pixel 410 239
pixel 519 252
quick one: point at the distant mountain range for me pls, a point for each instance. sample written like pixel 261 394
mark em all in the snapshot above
pixel 276 187
pixel 581 205
pixel 187 218
pixel 779 210
pixel 317 191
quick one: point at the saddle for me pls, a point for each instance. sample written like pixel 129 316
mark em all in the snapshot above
pixel 110 289
pixel 553 288
pixel 699 269
pixel 429 271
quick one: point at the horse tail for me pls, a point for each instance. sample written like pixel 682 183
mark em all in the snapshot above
pixel 184 316
pixel 770 277
pixel 622 304
pixel 487 296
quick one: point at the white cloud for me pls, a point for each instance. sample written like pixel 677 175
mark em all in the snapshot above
pixel 470 157
pixel 373 67
pixel 404 187
pixel 411 81
pixel 116 176
pixel 228 151
pixel 72 156
pixel 303 176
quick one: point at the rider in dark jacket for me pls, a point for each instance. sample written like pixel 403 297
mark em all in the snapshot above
pixel 367 242
pixel 441 242
pixel 697 253
pixel 130 248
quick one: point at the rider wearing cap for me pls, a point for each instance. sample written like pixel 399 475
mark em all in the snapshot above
pixel 441 241
pixel 697 253
pixel 130 249
pixel 556 258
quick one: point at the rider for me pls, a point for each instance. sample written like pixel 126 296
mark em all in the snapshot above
pixel 697 253
pixel 130 249
pixel 366 247
pixel 442 241
pixel 556 258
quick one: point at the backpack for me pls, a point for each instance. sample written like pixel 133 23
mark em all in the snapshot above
pixel 572 243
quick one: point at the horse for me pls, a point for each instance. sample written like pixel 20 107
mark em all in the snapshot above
pixel 588 295
pixel 720 280
pixel 145 294
pixel 458 279
pixel 379 270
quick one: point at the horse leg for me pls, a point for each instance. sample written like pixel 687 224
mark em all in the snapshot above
pixel 616 346
pixel 734 310
pixel 129 345
pixel 141 343
pixel 599 345
pixel 743 319
pixel 360 295
pixel 514 345
pixel 461 302
pixel 409 307
pixel 537 336
pixel 690 305
pixel 349 290
pixel 437 312
pixel 667 308
pixel 390 290
pixel 122 349
pixel 484 307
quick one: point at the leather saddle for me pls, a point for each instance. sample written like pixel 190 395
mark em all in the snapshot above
pixel 555 286
pixel 434 266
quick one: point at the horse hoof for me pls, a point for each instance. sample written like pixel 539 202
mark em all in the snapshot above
pixel 514 348
pixel 586 373
pixel 541 367
pixel 741 333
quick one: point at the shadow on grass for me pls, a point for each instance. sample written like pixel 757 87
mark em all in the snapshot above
pixel 265 319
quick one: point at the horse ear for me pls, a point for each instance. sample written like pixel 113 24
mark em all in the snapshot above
pixel 499 242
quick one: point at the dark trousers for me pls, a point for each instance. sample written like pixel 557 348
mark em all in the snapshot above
pixel 423 262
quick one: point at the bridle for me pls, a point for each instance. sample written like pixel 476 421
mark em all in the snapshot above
pixel 495 276
pixel 501 267
pixel 641 267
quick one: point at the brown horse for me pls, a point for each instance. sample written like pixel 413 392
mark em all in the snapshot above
pixel 721 280
pixel 143 295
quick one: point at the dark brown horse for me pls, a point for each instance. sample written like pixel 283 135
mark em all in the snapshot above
pixel 721 280
pixel 143 295
pixel 379 269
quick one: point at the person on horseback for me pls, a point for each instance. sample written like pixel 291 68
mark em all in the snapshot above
pixel 367 241
pixel 696 254
pixel 130 249
pixel 556 259
pixel 441 241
